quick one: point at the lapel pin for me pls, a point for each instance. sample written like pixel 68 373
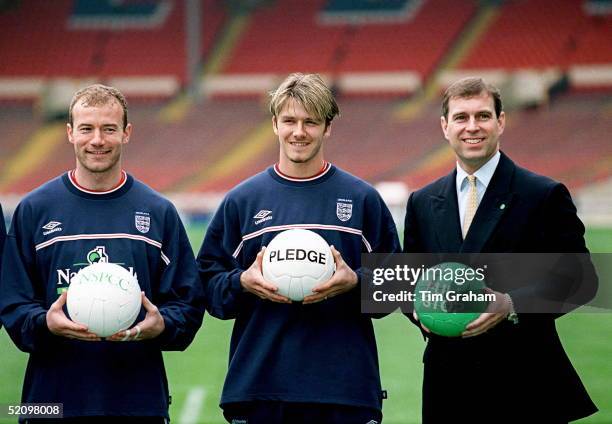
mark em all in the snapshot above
pixel 502 206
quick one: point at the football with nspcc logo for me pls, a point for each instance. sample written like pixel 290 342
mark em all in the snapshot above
pixel 105 297
pixel 297 260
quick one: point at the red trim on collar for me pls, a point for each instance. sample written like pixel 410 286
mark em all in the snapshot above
pixel 326 167
pixel 122 180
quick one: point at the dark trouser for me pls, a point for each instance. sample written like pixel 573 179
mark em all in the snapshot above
pixel 273 412
pixel 458 393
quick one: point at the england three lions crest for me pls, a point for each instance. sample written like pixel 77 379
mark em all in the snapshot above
pixel 344 209
pixel 143 222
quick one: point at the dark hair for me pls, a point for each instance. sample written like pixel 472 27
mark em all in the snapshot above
pixel 470 87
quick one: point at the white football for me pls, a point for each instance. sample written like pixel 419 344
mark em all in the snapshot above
pixel 297 260
pixel 105 297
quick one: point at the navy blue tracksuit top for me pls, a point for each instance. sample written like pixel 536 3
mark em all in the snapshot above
pixel 58 229
pixel 317 353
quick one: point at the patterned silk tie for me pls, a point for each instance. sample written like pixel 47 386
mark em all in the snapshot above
pixel 471 205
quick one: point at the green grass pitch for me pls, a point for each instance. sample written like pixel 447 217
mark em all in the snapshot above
pixel 201 368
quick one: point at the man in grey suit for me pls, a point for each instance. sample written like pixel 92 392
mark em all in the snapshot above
pixel 506 367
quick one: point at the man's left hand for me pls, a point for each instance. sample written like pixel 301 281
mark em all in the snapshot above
pixel 150 327
pixel 344 279
pixel 496 312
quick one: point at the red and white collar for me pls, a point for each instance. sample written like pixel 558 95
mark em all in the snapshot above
pixel 122 181
pixel 324 170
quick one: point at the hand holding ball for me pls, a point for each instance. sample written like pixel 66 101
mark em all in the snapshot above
pixel 296 261
pixel 434 290
pixel 105 297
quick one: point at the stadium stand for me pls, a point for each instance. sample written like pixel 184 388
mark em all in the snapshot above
pixel 17 123
pixel 349 51
pixel 344 47
pixel 541 34
pixel 532 48
pixel 23 171
pixel 181 150
pixel 575 133
pixel 566 140
pixel 408 45
pixel 163 155
pixel 265 48
pixel 219 142
pixel 39 39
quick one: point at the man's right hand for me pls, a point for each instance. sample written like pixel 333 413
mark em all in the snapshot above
pixel 59 324
pixel 252 281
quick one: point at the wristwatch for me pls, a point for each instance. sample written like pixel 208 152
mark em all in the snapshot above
pixel 512 315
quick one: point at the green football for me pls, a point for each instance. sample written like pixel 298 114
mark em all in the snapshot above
pixel 449 296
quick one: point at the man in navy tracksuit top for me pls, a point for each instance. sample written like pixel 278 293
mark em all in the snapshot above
pixel 98 213
pixel 2 238
pixel 307 362
pixel 2 230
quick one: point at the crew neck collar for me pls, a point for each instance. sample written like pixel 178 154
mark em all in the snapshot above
pixel 326 171
pixel 125 182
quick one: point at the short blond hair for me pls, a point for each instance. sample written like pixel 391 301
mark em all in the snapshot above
pixel 310 91
pixel 99 95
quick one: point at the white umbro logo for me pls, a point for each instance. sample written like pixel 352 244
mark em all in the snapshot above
pixel 262 215
pixel 51 227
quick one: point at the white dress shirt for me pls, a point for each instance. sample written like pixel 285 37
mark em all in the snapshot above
pixel 483 178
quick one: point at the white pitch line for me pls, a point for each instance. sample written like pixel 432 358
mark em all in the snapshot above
pixel 193 404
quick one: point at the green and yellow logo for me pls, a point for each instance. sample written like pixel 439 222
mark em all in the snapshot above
pixel 95 255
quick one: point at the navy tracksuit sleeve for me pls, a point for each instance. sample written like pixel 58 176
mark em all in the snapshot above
pixel 23 305
pixel 2 238
pixel 219 270
pixel 380 230
pixel 380 227
pixel 2 231
pixel 180 295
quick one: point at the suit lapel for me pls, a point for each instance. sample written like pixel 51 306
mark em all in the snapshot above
pixel 445 215
pixel 495 203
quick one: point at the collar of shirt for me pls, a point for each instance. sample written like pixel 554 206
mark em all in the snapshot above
pixel 483 175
